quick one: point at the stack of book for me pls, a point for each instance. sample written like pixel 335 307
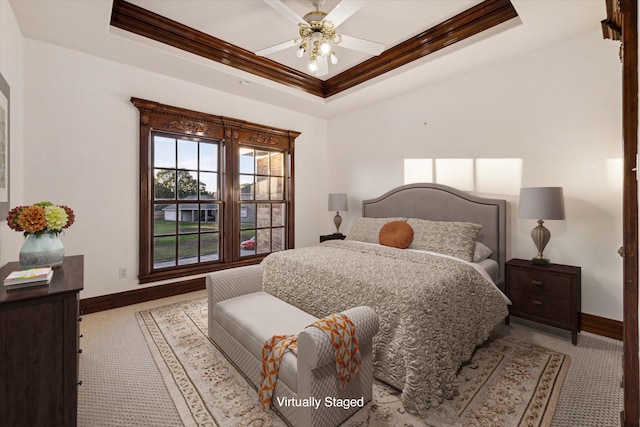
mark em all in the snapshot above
pixel 28 277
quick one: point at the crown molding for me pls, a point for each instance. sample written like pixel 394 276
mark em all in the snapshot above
pixel 475 20
pixel 462 26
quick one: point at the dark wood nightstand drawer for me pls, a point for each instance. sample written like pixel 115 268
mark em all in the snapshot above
pixel 538 282
pixel 543 306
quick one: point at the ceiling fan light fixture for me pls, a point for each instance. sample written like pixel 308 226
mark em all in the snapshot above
pixel 318 37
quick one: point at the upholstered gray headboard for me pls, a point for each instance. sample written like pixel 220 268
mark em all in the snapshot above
pixel 441 203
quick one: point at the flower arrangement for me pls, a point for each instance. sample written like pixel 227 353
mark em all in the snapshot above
pixel 40 218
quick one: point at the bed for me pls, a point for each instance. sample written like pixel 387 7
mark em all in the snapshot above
pixel 434 306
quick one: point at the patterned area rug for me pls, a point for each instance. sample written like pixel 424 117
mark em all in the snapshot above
pixel 507 383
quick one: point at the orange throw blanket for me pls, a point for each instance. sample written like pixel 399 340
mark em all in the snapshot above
pixel 342 333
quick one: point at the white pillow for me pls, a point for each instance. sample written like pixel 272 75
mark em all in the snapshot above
pixel 481 252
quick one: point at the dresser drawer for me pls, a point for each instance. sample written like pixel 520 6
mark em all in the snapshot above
pixel 543 306
pixel 540 283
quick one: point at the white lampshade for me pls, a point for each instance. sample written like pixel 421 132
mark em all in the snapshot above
pixel 338 202
pixel 541 203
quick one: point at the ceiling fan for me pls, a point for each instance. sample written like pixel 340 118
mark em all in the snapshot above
pixel 317 34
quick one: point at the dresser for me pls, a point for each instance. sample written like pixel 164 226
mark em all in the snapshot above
pixel 548 295
pixel 39 348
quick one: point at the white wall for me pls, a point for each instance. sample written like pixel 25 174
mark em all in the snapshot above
pixel 82 151
pixel 548 118
pixel 11 68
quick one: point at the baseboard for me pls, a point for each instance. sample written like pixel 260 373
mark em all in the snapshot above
pixel 121 299
pixel 601 326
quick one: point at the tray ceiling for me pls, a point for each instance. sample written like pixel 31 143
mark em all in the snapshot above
pixel 249 26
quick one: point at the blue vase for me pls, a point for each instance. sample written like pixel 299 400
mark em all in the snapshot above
pixel 42 250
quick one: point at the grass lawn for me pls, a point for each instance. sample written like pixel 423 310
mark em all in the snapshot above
pixel 163 226
pixel 164 245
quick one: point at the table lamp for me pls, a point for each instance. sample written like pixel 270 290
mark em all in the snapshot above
pixel 541 203
pixel 337 203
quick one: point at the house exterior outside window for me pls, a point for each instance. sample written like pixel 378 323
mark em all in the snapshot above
pixel 215 192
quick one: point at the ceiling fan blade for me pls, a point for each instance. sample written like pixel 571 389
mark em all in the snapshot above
pixel 276 48
pixel 362 45
pixel 344 10
pixel 285 11
pixel 323 67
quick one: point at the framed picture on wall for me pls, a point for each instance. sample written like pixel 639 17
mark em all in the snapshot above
pixel 4 147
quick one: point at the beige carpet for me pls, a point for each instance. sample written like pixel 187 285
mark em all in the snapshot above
pixel 507 383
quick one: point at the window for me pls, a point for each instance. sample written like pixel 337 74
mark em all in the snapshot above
pixel 215 192
pixel 262 201
pixel 186 206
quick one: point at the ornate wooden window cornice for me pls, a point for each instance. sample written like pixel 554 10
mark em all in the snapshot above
pixel 171 119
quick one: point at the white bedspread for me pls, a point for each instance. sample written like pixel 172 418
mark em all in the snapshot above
pixel 433 310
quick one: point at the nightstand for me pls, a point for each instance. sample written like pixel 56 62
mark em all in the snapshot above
pixel 548 295
pixel 334 236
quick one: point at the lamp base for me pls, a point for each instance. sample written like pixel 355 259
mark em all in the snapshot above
pixel 541 261
pixel 337 220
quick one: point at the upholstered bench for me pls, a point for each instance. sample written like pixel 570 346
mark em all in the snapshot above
pixel 242 318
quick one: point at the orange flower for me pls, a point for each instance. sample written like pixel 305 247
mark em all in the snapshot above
pixel 32 219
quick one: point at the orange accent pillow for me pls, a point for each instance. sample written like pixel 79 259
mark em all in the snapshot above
pixel 397 234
